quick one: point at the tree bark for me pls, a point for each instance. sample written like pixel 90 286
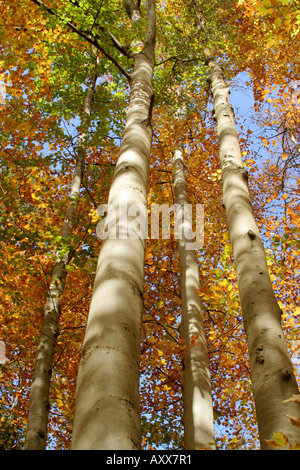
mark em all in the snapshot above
pixel 107 414
pixel 272 373
pixel 197 397
pixel 39 403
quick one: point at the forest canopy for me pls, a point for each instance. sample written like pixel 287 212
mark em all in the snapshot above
pixel 149 341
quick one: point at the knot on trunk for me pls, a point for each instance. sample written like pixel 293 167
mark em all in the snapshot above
pixel 259 356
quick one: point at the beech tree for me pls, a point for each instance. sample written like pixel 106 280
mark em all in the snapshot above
pixel 262 315
pixel 107 402
pixel 197 398
pixel 39 394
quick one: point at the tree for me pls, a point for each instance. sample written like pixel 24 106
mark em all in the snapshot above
pixel 262 315
pixel 112 339
pixel 197 399
pixel 39 394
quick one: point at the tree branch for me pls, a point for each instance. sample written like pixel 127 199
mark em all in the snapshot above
pixel 124 50
pixel 133 10
pixel 87 36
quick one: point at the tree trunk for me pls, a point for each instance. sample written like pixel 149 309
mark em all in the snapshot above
pixel 39 403
pixel 197 398
pixel 107 414
pixel 272 373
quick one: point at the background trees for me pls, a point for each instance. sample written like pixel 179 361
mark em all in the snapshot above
pixel 45 65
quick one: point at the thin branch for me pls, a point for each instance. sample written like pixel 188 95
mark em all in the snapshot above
pixel 133 10
pixel 124 50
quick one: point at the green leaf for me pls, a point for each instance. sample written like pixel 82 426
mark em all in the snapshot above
pixel 277 22
pixel 262 9
pixel 267 3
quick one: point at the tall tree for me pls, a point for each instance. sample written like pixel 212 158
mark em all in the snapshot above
pixel 271 367
pixel 39 395
pixel 197 398
pixel 107 414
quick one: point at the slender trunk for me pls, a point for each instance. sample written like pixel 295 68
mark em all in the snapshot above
pixel 39 403
pixel 272 374
pixel 273 378
pixel 197 397
pixel 107 414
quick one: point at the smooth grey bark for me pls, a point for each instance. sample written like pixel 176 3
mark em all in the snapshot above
pixel 197 397
pixel 107 414
pixel 39 403
pixel 272 373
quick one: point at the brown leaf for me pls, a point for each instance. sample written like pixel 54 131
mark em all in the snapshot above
pixel 294 421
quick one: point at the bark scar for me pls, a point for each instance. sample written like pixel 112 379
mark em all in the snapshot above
pixel 148 122
pixel 251 235
pixel 259 355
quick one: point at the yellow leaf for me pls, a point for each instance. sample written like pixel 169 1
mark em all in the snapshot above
pixel 94 215
pixel 280 439
pixel 270 43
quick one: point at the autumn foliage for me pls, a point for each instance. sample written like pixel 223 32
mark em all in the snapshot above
pixel 44 72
